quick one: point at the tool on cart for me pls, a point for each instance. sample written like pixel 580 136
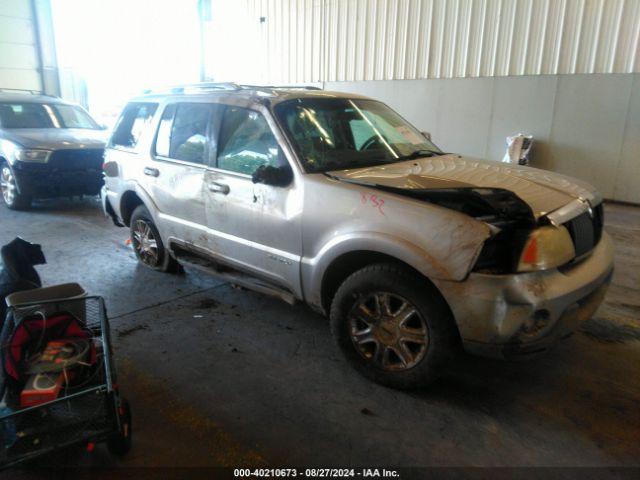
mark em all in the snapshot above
pixel 59 364
pixel 57 375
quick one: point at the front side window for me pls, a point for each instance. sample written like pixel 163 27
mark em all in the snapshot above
pixel 44 115
pixel 246 142
pixel 336 133
pixel 135 119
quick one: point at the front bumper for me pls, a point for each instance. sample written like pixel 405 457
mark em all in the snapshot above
pixel 509 316
pixel 43 181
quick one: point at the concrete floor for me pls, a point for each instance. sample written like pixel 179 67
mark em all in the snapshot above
pixel 222 377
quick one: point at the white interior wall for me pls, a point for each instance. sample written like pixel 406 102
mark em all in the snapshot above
pixel 351 40
pixel 18 53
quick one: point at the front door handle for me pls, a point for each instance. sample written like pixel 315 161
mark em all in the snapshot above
pixel 152 172
pixel 219 188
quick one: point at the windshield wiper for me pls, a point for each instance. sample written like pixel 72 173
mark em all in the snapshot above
pixel 420 153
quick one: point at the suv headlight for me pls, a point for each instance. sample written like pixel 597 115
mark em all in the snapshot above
pixel 546 247
pixel 32 155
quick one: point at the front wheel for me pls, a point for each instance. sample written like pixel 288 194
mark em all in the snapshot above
pixel 393 326
pixel 147 243
pixel 12 198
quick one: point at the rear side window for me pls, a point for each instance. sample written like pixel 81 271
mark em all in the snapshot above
pixel 246 142
pixel 184 131
pixel 135 118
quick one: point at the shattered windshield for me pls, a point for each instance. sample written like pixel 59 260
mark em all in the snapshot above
pixel 336 133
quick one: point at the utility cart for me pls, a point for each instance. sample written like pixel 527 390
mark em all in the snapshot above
pixel 58 383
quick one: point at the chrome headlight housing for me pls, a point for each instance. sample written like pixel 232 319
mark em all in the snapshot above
pixel 32 155
pixel 546 247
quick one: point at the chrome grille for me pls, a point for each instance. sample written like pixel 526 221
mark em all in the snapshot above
pixel 586 230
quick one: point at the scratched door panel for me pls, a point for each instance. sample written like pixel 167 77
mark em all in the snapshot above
pixel 256 227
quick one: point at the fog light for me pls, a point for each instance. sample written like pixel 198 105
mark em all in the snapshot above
pixel 538 321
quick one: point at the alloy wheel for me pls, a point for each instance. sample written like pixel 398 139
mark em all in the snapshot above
pixel 388 331
pixel 7 185
pixel 145 243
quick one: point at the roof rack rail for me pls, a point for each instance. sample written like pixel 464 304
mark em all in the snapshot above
pixel 195 87
pixel 227 86
pixel 22 90
pixel 287 87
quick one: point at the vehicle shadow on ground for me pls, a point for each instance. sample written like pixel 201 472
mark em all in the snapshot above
pixel 558 389
pixel 76 206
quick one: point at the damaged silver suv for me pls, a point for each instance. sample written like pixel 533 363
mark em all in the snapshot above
pixel 335 200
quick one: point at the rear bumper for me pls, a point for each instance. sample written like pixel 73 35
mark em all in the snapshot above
pixel 107 208
pixel 42 181
pixel 510 316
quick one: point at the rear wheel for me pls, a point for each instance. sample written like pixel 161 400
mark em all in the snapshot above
pixel 12 198
pixel 147 243
pixel 393 326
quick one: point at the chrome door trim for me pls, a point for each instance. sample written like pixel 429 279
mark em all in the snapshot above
pixel 232 238
pixel 159 158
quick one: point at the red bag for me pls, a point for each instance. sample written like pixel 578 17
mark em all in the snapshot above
pixel 33 334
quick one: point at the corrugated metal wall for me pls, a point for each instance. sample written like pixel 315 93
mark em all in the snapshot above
pixel 348 40
pixel 18 53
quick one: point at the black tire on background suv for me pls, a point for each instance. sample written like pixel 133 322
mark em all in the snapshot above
pixel 393 326
pixel 147 243
pixel 9 191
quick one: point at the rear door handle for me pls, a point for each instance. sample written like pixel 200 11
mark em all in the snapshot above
pixel 219 188
pixel 152 172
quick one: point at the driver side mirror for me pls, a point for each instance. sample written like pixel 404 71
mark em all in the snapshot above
pixel 275 176
pixel 426 135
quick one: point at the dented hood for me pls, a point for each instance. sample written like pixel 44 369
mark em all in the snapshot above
pixel 543 191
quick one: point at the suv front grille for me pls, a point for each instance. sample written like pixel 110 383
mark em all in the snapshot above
pixel 69 160
pixel 586 230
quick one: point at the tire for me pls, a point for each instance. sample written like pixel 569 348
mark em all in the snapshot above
pixel 393 326
pixel 12 199
pixel 120 443
pixel 147 243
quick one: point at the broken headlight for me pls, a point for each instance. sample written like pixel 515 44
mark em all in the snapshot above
pixel 546 247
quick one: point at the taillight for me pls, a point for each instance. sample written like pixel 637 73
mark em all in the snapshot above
pixel 110 169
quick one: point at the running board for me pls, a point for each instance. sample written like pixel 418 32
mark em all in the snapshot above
pixel 233 276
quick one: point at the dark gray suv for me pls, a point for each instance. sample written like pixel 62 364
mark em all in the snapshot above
pixel 48 148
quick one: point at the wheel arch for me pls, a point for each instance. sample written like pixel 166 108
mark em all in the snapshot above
pixel 128 203
pixel 348 263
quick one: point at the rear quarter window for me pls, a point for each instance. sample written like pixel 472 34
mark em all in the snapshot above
pixel 133 122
